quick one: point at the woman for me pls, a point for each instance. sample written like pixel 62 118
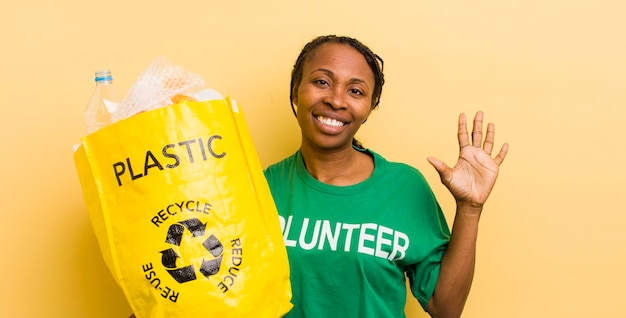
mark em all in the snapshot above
pixel 354 223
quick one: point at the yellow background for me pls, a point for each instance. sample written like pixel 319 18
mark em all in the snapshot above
pixel 550 74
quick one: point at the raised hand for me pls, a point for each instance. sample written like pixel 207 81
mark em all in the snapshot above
pixel 472 178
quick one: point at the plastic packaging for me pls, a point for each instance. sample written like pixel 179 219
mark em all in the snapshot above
pixel 103 102
pixel 161 84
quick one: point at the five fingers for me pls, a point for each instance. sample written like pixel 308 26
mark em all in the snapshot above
pixel 477 136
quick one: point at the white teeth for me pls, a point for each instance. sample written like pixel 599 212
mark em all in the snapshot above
pixel 330 122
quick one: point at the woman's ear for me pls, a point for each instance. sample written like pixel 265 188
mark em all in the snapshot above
pixel 294 99
pixel 294 109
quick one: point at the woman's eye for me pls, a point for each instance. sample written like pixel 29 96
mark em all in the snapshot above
pixel 356 91
pixel 321 82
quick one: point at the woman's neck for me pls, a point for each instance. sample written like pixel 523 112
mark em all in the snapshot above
pixel 341 168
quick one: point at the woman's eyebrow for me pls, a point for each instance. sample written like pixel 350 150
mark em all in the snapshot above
pixel 330 73
pixel 323 70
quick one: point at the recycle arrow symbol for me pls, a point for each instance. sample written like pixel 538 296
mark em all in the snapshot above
pixel 210 267
pixel 181 275
pixel 211 244
pixel 175 231
pixel 194 226
pixel 215 247
pixel 168 258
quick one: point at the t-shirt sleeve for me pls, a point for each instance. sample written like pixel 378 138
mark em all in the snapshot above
pixel 423 276
pixel 424 273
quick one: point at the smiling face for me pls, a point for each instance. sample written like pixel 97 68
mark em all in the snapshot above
pixel 334 96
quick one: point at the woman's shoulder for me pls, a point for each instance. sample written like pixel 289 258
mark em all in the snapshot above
pixel 403 178
pixel 281 167
pixel 395 167
pixel 398 174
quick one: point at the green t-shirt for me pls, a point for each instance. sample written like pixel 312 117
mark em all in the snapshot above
pixel 349 247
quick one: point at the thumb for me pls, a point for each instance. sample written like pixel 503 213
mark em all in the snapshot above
pixel 443 169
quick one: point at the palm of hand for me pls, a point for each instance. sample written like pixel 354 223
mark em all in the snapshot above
pixel 474 175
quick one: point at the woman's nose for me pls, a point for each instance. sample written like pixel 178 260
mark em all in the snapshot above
pixel 336 98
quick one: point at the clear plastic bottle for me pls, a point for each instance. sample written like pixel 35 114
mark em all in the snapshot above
pixel 103 102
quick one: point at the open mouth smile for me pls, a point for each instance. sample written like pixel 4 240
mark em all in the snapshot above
pixel 329 121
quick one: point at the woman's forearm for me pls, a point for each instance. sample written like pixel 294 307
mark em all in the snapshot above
pixel 457 265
